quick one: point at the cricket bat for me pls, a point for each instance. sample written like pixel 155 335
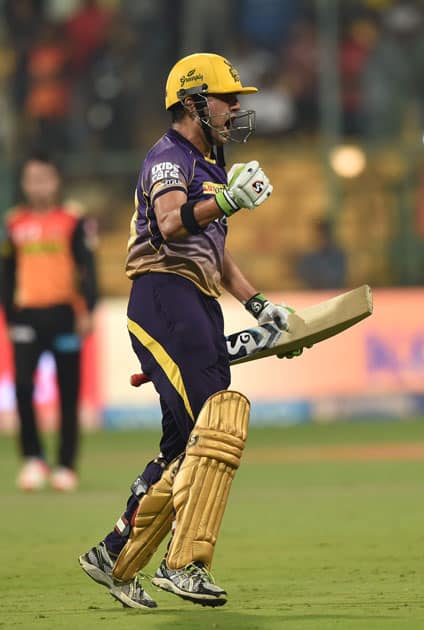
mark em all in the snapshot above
pixel 306 327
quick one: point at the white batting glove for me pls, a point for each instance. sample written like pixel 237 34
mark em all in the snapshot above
pixel 276 313
pixel 234 171
pixel 248 187
pixel 266 311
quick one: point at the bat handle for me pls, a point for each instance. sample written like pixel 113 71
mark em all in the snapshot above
pixel 139 379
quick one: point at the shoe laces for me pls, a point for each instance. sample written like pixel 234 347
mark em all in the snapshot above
pixel 134 584
pixel 144 576
pixel 105 556
pixel 199 569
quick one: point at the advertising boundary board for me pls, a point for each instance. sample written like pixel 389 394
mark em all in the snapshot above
pixel 373 370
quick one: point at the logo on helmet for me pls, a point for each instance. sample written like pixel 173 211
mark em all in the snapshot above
pixel 258 186
pixel 232 71
pixel 191 77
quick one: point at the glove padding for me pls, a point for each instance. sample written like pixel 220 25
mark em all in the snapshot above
pixel 266 311
pixel 276 313
pixel 248 187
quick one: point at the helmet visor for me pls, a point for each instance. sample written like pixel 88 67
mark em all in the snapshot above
pixel 241 125
pixel 235 126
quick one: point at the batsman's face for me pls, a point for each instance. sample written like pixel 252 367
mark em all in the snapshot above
pixel 40 183
pixel 222 108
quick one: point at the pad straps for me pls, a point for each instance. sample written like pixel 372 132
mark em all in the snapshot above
pixel 152 523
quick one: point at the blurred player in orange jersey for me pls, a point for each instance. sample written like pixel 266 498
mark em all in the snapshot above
pixel 48 291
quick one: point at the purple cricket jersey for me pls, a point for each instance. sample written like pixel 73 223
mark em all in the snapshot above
pixel 173 163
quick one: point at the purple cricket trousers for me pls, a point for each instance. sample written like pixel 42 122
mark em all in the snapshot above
pixel 177 332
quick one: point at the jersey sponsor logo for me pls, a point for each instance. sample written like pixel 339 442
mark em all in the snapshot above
pixel 165 170
pixel 211 188
pixel 43 247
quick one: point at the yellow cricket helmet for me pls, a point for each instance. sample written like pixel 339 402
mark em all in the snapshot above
pixel 203 73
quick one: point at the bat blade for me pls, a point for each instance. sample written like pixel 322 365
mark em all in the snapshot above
pixel 307 327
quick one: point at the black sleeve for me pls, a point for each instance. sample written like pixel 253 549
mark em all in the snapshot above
pixel 83 242
pixel 7 274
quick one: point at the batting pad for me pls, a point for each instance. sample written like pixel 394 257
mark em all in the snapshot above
pixel 152 523
pixel 203 482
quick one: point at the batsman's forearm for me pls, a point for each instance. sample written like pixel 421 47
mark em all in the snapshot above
pixel 234 281
pixel 170 223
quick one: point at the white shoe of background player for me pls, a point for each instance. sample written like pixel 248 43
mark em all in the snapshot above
pixel 64 479
pixel 34 474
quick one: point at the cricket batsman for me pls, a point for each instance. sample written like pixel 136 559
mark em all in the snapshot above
pixel 178 262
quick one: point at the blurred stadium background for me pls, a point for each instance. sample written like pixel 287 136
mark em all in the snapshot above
pixel 335 536
pixel 339 129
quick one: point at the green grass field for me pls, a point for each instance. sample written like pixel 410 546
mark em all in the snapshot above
pixel 307 543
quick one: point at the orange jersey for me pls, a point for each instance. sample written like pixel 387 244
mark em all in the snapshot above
pixel 46 272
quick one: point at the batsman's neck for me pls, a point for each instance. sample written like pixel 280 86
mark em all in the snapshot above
pixel 192 131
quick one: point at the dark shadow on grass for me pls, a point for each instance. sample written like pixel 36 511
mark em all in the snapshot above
pixel 337 616
pixel 219 619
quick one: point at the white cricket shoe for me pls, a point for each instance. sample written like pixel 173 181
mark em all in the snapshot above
pixel 34 475
pixel 64 479
pixel 193 583
pixel 98 564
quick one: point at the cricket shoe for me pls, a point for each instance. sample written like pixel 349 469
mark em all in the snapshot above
pixel 193 583
pixel 33 475
pixel 64 479
pixel 98 564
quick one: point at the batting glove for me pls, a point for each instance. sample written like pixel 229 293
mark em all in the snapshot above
pixel 266 311
pixel 291 355
pixel 248 187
